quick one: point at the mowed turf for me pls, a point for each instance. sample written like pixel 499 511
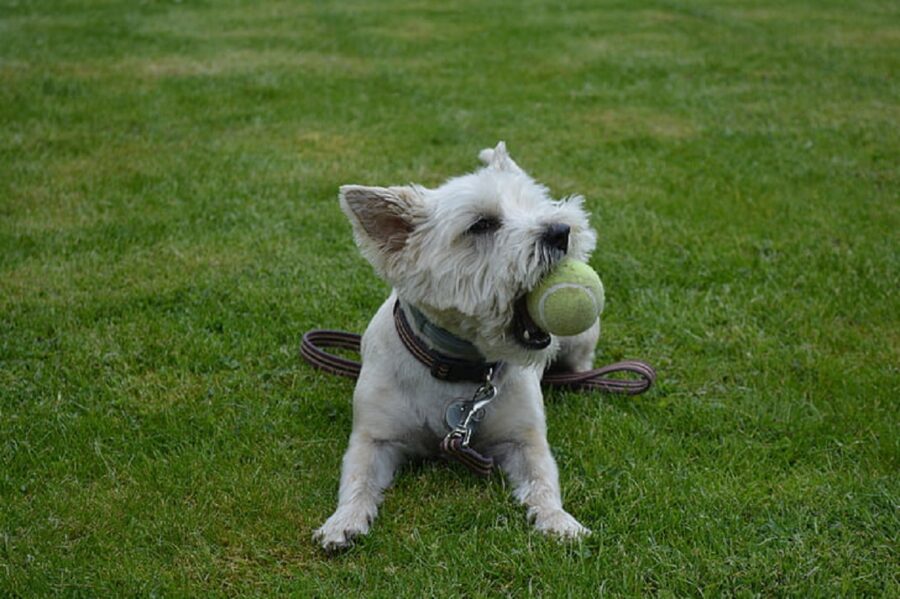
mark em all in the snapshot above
pixel 169 228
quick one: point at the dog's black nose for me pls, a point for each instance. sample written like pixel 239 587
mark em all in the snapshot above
pixel 557 236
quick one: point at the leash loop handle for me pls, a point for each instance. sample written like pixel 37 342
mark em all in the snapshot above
pixel 311 351
pixel 598 379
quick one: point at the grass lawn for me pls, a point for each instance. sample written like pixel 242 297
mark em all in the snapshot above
pixel 169 228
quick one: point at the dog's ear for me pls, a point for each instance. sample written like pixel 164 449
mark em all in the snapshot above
pixel 498 158
pixel 382 218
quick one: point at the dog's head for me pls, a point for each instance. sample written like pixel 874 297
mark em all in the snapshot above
pixel 466 253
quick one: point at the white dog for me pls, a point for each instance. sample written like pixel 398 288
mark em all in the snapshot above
pixel 460 259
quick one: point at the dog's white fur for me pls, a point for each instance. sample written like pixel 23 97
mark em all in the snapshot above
pixel 419 241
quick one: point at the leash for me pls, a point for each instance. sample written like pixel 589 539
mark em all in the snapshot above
pixel 463 416
pixel 313 344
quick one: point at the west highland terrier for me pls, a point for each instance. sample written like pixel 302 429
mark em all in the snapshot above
pixel 460 259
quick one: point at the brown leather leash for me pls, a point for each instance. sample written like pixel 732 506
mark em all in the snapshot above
pixel 598 379
pixel 447 368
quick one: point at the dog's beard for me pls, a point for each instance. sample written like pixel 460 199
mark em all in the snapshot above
pixel 499 324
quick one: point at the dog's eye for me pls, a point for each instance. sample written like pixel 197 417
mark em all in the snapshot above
pixel 485 224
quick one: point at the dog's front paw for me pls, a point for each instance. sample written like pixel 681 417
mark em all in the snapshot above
pixel 340 529
pixel 560 523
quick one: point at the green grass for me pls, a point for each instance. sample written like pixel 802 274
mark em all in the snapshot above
pixel 169 228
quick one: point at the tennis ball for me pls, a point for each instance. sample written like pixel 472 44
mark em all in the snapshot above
pixel 568 300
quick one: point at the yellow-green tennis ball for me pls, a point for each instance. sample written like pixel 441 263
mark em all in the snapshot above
pixel 568 300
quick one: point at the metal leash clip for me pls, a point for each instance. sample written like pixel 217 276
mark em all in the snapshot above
pixel 462 417
pixel 473 410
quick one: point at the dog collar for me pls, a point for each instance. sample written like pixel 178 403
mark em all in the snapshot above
pixel 466 365
pixel 442 340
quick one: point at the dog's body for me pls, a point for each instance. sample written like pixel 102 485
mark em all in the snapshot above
pixel 463 255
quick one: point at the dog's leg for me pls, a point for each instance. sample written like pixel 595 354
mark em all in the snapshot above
pixel 576 353
pixel 532 471
pixel 368 469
